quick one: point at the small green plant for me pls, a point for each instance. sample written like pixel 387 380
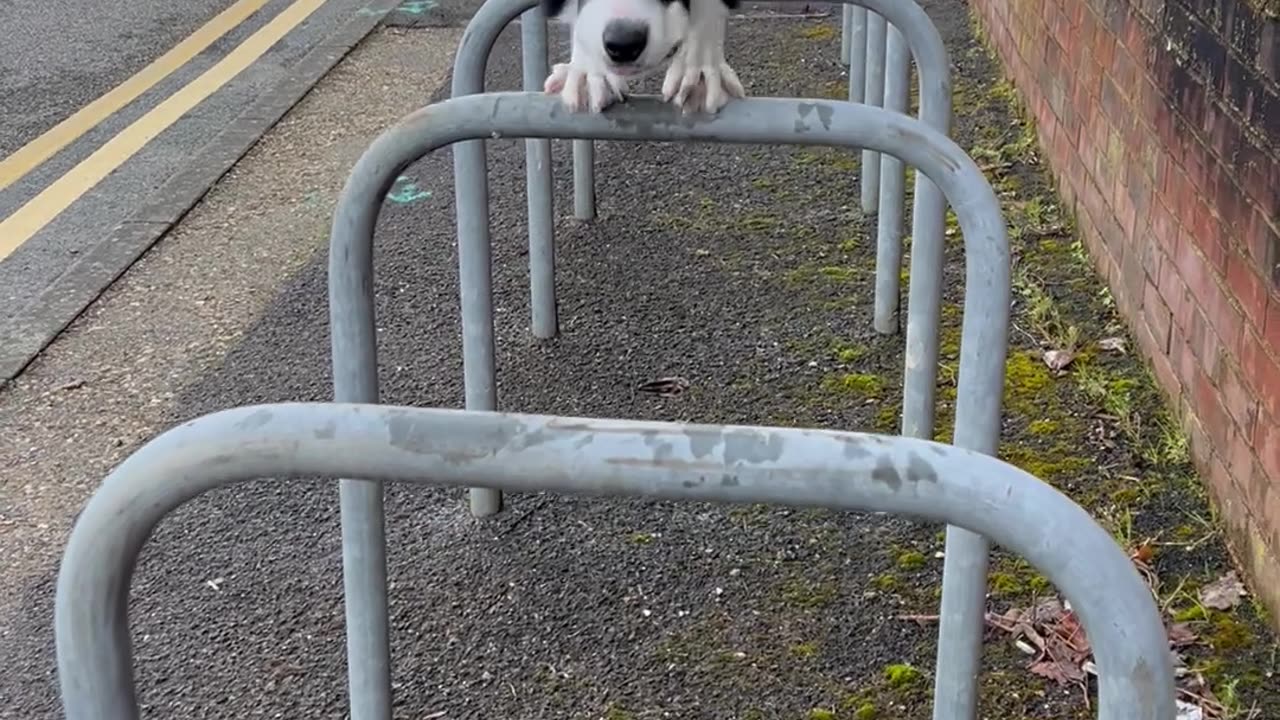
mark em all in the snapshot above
pixel 911 560
pixel 901 676
pixel 865 711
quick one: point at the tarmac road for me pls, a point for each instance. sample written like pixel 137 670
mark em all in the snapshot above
pixel 59 57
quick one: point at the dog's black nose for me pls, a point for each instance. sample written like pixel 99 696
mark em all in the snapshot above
pixel 624 40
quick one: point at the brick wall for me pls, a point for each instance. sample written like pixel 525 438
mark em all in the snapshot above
pixel 1161 119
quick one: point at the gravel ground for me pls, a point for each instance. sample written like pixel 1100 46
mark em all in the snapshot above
pixel 745 270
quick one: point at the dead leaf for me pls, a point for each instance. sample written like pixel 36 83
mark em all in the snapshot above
pixel 1223 593
pixel 1187 711
pixel 1144 553
pixel 665 387
pixel 1058 360
pixel 1059 671
pixel 1112 344
pixel 1181 634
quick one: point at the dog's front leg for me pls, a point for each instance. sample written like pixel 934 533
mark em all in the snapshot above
pixel 699 77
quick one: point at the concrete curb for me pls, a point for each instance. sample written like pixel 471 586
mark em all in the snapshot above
pixel 62 301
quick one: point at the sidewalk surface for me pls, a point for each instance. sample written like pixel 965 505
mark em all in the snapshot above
pixel 746 270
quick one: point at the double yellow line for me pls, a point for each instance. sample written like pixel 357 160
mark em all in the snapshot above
pixel 57 197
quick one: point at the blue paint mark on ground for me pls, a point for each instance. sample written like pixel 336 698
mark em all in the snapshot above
pixel 405 191
pixel 411 7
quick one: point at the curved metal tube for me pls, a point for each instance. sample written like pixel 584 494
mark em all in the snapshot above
pixel 460 120
pixel 533 453
pixel 928 214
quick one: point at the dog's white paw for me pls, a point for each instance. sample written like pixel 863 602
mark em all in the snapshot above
pixel 582 89
pixel 701 86
pixel 699 79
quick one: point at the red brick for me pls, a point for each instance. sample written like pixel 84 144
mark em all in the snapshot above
pixel 1271 331
pixel 1125 213
pixel 1125 73
pixel 1269 516
pixel 1238 454
pixel 1174 292
pixel 1165 374
pixel 1157 317
pixel 1194 269
pixel 1248 289
pixel 1104 45
pixel 1214 247
pixel 1215 475
pixel 1262 240
pixel 1226 320
pixel 1266 443
pixel 1183 359
pixel 1240 401
pixel 1262 373
pixel 1164 225
pixel 1197 438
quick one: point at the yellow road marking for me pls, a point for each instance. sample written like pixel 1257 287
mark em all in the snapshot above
pixel 40 210
pixel 29 156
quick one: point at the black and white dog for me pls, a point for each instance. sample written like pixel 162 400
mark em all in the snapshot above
pixel 615 41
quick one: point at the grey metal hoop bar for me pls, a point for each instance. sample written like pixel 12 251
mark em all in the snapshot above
pixel 583 456
pixel 923 43
pixel 759 120
pixel 929 212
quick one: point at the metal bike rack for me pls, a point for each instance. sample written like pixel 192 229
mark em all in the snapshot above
pixel 894 32
pixel 582 456
pixel 463 120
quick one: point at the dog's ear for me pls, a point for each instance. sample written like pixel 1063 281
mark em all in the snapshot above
pixel 553 8
pixel 731 4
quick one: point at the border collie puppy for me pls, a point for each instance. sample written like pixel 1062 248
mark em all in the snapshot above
pixel 615 41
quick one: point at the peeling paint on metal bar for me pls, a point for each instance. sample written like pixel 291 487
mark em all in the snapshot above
pixel 536 453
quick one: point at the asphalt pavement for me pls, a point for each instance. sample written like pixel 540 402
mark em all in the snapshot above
pixel 58 56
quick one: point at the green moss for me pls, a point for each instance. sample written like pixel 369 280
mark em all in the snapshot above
pixel 1043 426
pixel 849 354
pixel 818 32
pixel 1027 383
pixel 911 560
pixel 886 582
pixel 804 649
pixel 865 711
pixel 757 223
pixel 1126 496
pixel 835 159
pixel 854 384
pixel 1005 585
pixel 616 713
pixel 642 538
pixel 807 594
pixel 1050 464
pixel 1229 634
pixel 809 274
pixel 888 419
pixel 822 714
pixel 901 676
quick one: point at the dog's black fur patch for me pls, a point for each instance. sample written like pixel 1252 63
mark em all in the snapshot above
pixel 553 8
